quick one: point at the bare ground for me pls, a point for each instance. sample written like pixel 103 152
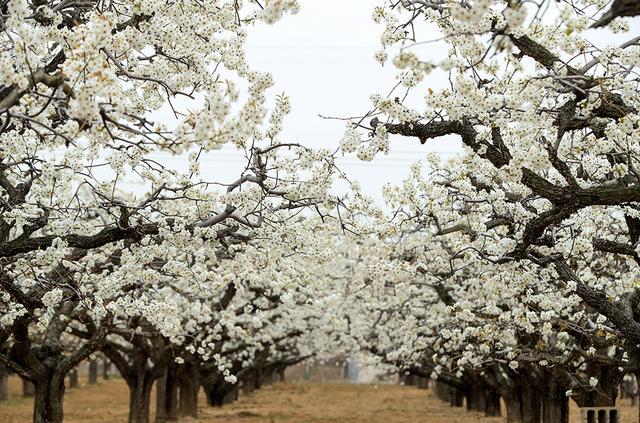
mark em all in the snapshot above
pixel 278 403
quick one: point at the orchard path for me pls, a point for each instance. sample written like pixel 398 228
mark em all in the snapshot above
pixel 278 403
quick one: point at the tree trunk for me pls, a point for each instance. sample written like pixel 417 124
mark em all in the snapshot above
pixel 410 380
pixel 476 398
pixel 106 369
pixel 167 396
pixel 213 398
pixel 73 378
pixel 211 385
pixel 531 403
pixel 189 386
pixel 555 405
pixel 28 388
pixel 139 399
pixel 93 372
pixel 266 375
pixel 456 397
pixel 249 382
pixel 259 379
pixel 442 391
pixel 492 404
pixel 523 404
pixel 447 393
pixel 231 396
pixel 514 406
pixel 281 374
pixel 47 407
pixel 4 386
pixel 219 392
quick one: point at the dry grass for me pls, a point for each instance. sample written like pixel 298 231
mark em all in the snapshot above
pixel 340 403
pixel 278 403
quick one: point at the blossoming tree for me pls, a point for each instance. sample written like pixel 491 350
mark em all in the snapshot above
pixel 534 230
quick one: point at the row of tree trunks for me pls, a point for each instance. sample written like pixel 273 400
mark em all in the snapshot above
pixel 448 393
pixel 531 395
pixel 250 382
pixel 218 391
pixel 28 388
pixel 177 390
pixel 484 399
pixel 422 382
pixel 523 404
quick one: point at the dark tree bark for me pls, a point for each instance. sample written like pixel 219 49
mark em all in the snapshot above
pixel 411 380
pixel 48 399
pixel 93 372
pixel 275 376
pixel 523 403
pixel 492 404
pixel 167 396
pixel 189 383
pixel 441 391
pixel 514 407
pixel 139 399
pixel 219 392
pixel 619 8
pixel 555 403
pixel 447 393
pixel 456 397
pixel 73 378
pixel 259 377
pixel 106 368
pixel 482 397
pixel 476 397
pixel 522 400
pixel 135 368
pixel 213 399
pixel 4 387
pixel 266 375
pixel 531 403
pixel 4 383
pixel 249 382
pixel 231 396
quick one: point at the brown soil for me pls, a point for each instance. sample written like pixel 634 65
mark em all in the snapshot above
pixel 278 403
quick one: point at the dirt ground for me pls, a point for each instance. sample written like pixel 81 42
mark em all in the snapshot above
pixel 278 403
